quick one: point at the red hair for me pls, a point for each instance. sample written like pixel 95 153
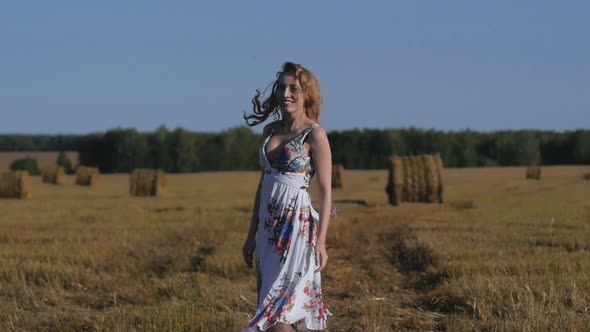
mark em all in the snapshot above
pixel 309 86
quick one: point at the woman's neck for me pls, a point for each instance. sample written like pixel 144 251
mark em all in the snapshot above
pixel 294 122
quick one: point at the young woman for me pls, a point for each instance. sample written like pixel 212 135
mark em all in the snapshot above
pixel 286 234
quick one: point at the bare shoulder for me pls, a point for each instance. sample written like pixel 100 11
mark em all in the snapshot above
pixel 319 132
pixel 318 135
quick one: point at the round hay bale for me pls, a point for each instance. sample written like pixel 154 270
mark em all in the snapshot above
pixel 439 169
pixel 87 176
pixel 15 185
pixel 337 176
pixel 147 182
pixel 408 177
pixel 433 180
pixel 395 180
pixel 421 177
pixel 414 190
pixel 415 179
pixel 533 172
pixel 54 174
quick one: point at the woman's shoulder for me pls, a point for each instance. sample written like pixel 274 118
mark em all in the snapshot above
pixel 317 132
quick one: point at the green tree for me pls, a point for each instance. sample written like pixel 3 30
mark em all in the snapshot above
pixel 64 161
pixel 517 148
pixel 26 164
pixel 240 147
pixel 125 150
pixel 159 149
pixel 464 149
pixel 183 152
pixel 581 147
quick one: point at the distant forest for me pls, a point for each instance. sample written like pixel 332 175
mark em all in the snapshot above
pixel 180 150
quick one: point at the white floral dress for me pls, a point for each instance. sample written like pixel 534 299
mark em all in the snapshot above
pixel 289 289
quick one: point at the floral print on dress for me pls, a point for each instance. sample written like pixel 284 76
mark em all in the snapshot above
pixel 292 158
pixel 288 284
pixel 280 224
pixel 278 302
pixel 314 303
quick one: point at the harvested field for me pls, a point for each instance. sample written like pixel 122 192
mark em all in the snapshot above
pixel 502 254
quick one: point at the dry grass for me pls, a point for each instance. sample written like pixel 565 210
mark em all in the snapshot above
pixel 504 254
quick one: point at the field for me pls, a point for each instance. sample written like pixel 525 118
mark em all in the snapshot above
pixel 501 254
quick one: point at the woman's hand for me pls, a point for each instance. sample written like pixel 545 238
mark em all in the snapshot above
pixel 321 256
pixel 248 251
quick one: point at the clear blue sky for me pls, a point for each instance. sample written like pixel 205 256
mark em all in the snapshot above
pixel 86 66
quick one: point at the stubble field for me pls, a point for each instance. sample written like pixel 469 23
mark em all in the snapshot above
pixel 501 254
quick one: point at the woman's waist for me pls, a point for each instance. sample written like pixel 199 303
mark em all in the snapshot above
pixel 295 180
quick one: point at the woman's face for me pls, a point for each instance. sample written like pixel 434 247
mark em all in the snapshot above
pixel 290 94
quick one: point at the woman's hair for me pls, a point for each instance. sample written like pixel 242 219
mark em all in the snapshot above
pixel 309 86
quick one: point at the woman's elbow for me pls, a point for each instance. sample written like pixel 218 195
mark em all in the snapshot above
pixel 325 189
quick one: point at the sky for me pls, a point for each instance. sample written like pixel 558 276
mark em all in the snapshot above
pixel 75 67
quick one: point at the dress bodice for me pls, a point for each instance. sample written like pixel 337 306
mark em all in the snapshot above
pixel 291 158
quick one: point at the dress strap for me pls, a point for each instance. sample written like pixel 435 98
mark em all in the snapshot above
pixel 306 132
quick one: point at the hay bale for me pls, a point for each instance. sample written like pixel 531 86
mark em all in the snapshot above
pixel 430 178
pixel 415 190
pixel 436 184
pixel 87 176
pixel 415 179
pixel 147 182
pixel 395 180
pixel 53 174
pixel 408 178
pixel 420 178
pixel 533 172
pixel 337 176
pixel 15 185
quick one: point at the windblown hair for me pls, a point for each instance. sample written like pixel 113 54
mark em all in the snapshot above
pixel 309 86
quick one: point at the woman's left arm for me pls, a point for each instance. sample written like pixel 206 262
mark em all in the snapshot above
pixel 322 157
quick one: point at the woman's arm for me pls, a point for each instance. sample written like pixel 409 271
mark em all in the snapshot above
pixel 322 156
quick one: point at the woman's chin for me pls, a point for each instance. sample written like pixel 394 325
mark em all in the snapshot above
pixel 290 110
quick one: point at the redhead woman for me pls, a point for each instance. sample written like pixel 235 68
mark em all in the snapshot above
pixel 287 236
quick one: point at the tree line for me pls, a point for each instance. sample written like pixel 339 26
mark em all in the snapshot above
pixel 180 150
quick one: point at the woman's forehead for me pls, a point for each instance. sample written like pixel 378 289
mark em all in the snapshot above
pixel 288 79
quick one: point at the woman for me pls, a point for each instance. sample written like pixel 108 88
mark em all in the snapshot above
pixel 286 234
